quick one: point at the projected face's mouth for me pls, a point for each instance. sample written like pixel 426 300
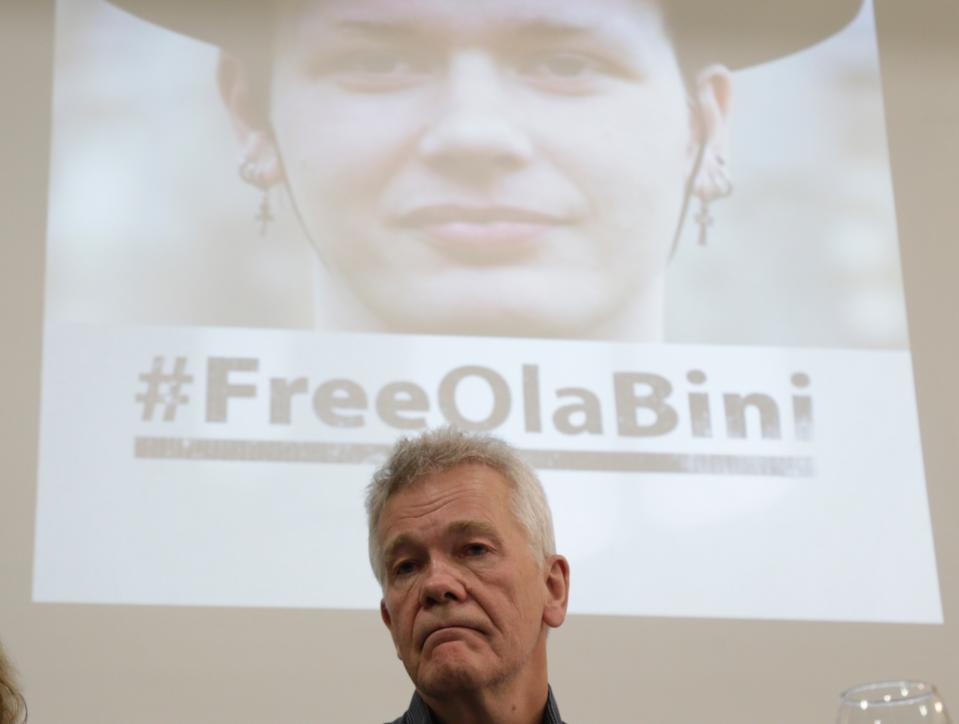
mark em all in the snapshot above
pixel 479 226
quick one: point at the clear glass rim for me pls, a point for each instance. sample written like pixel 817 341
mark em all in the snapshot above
pixel 918 691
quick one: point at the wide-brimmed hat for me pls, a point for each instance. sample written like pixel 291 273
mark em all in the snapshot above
pixel 738 33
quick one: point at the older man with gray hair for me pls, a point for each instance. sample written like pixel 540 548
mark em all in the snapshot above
pixel 461 541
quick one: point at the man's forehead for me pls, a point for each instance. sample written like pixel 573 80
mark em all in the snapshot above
pixel 442 496
pixel 454 529
pixel 476 17
pixel 469 482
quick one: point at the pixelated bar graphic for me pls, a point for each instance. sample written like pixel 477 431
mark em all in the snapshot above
pixel 176 448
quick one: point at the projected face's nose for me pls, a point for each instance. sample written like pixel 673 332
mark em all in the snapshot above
pixel 474 133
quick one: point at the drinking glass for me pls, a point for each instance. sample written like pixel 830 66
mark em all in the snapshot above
pixel 892 702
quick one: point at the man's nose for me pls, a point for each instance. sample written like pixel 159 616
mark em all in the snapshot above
pixel 441 585
pixel 475 133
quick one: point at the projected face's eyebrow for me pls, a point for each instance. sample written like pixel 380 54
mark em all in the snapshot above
pixel 540 27
pixel 380 30
pixel 507 30
pixel 552 29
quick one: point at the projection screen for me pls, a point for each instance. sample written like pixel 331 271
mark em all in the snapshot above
pixel 661 259
pixel 473 226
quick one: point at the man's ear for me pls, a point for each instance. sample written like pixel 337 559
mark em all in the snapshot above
pixel 388 621
pixel 556 574
pixel 260 158
pixel 711 108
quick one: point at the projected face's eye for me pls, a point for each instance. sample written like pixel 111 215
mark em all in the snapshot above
pixel 379 69
pixel 564 71
pixel 558 65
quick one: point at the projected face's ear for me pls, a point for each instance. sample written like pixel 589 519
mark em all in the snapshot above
pixel 259 158
pixel 710 126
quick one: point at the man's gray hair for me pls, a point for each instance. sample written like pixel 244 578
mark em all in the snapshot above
pixel 437 451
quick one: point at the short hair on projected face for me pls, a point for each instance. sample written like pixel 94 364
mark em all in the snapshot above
pixel 442 449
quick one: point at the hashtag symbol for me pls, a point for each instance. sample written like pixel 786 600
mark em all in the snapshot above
pixel 164 390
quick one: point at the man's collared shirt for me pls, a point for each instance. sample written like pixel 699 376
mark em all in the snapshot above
pixel 419 713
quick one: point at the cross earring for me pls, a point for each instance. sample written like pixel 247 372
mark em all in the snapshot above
pixel 719 186
pixel 251 174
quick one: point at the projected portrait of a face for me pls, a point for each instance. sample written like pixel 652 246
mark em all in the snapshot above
pixel 502 168
pixel 518 169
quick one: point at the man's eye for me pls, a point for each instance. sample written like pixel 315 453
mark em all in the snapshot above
pixel 403 568
pixel 476 549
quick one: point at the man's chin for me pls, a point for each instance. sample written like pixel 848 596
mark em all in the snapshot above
pixel 446 677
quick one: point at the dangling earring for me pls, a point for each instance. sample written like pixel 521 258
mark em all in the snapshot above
pixel 251 173
pixel 705 219
pixel 719 186
pixel 265 213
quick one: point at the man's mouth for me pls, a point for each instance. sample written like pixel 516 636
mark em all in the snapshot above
pixel 446 633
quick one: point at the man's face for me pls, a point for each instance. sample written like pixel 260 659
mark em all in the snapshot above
pixel 465 601
pixel 495 167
